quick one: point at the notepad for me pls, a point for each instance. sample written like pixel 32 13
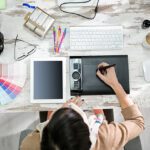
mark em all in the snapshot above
pixel 2 4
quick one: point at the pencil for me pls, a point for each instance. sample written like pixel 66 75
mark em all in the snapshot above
pixel 54 35
pixel 62 38
pixel 58 38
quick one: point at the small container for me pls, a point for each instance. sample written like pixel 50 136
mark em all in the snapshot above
pixel 39 22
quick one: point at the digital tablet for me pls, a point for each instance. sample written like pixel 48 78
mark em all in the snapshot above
pixel 48 80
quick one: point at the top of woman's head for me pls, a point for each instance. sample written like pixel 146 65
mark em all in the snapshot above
pixel 66 131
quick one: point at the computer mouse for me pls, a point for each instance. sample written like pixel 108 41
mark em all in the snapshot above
pixel 146 69
pixel 1 42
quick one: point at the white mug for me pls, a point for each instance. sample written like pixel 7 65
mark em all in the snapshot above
pixel 146 42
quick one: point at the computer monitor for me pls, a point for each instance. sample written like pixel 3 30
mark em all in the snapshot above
pixel 48 80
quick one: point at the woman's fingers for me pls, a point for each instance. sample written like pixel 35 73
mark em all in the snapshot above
pixel 76 100
pixel 80 102
pixel 100 75
pixel 103 64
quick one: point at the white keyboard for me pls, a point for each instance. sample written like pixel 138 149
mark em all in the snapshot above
pixel 96 38
pixel 91 3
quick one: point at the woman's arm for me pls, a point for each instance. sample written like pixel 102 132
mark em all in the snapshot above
pixel 116 135
pixel 111 80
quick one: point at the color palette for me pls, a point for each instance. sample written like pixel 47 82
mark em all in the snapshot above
pixel 12 80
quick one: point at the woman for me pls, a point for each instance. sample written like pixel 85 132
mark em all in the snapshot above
pixel 70 129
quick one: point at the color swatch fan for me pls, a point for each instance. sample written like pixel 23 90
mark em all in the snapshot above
pixel 12 80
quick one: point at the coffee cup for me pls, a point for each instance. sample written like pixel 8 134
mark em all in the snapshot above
pixel 146 42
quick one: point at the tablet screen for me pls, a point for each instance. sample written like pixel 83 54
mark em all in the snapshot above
pixel 48 80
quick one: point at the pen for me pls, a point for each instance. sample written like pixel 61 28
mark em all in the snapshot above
pixel 103 69
pixel 54 35
pixel 62 38
pixel 28 5
pixel 58 37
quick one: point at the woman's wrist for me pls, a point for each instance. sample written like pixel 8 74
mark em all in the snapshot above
pixel 116 86
pixel 124 100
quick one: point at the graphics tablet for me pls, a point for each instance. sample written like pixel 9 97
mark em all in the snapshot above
pixel 83 79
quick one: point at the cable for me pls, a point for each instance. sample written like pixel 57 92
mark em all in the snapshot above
pixel 90 18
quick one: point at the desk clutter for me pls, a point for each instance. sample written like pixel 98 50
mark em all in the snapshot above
pixel 48 76
pixel 12 80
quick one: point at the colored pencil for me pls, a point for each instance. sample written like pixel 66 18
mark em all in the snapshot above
pixel 58 38
pixel 62 38
pixel 54 35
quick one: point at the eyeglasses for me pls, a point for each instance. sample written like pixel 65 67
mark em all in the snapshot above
pixel 146 24
pixel 31 48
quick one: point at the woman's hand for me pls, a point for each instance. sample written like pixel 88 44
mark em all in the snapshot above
pixel 110 77
pixel 76 100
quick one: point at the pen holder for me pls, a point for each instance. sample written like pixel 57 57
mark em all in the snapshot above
pixel 59 37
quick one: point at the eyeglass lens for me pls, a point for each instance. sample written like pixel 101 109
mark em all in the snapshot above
pixel 146 24
pixel 24 48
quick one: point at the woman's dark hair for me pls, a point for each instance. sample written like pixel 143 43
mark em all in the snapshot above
pixel 66 131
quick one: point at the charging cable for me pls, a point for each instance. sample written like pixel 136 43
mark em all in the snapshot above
pixel 87 1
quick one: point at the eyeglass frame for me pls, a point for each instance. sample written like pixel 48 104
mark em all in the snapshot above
pixel 23 56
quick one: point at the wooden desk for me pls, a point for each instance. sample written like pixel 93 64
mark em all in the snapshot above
pixel 130 16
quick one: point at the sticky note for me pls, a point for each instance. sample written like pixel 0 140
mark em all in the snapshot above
pixel 2 4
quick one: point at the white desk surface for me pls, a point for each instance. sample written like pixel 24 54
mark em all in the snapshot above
pixel 130 16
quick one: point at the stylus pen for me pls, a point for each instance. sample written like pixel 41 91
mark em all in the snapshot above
pixel 103 69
